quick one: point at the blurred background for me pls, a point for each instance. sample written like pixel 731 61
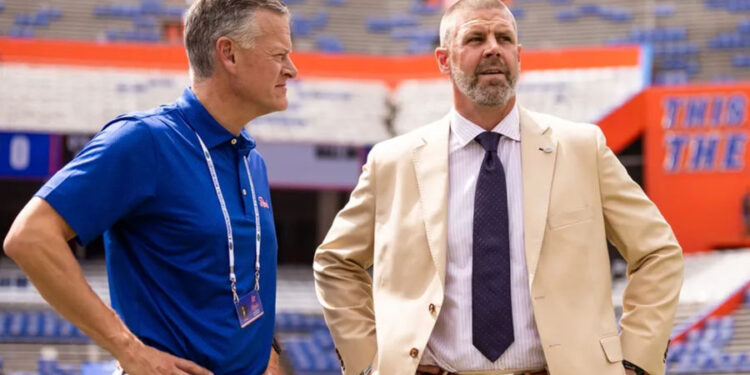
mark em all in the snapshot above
pixel 668 81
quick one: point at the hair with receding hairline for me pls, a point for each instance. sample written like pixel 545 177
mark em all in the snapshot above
pixel 208 20
pixel 447 22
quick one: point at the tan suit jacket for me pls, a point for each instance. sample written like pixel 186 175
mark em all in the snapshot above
pixel 575 198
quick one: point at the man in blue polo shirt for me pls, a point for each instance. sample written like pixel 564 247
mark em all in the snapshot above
pixel 182 199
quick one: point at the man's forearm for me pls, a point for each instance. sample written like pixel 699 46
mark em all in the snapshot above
pixel 46 259
pixel 57 276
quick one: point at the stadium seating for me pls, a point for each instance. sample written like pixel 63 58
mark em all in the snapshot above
pixel 366 27
pixel 313 354
pixel 549 91
pixel 329 43
pixel 721 346
pixel 741 61
pixel 84 99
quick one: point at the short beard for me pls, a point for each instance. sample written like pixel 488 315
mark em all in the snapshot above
pixel 488 95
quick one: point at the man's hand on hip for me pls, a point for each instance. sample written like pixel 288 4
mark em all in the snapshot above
pixel 273 364
pixel 145 360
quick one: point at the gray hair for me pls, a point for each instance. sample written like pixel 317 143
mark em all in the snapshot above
pixel 208 20
pixel 447 23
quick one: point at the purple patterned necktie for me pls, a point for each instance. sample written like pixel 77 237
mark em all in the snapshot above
pixel 491 313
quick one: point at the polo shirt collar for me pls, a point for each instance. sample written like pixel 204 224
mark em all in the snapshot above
pixel 212 133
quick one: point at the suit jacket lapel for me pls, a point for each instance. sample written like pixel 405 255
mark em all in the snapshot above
pixel 430 160
pixel 538 154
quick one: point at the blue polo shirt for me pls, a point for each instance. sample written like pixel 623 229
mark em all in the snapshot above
pixel 144 184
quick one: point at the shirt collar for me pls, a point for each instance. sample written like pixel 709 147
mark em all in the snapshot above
pixel 465 130
pixel 212 133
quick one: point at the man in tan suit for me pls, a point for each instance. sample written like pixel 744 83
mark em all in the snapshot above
pixel 488 230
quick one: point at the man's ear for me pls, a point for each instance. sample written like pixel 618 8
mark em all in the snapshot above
pixel 441 55
pixel 225 51
pixel 520 49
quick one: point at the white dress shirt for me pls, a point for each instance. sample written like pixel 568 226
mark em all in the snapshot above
pixel 450 345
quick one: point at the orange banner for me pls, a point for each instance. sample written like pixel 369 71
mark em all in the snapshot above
pixel 391 69
pixel 697 163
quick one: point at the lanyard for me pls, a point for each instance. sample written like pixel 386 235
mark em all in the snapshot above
pixel 228 223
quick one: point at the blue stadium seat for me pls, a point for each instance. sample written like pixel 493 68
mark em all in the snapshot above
pixel 286 322
pixel 404 20
pixel 568 15
pixel 743 27
pixel 173 12
pixel 301 26
pixel 21 32
pixel 125 10
pixel 675 50
pixel 675 352
pixel 298 322
pixel 723 78
pixel 47 366
pixel 17 325
pixel 54 13
pixel 335 3
pixel 322 339
pixel 378 25
pixel 420 8
pixel 150 36
pixel 40 19
pixel 4 321
pixel 615 14
pixel 102 11
pixel 151 7
pixel 2 6
pixel 677 33
pixel 112 35
pixel 518 12
pixel 738 6
pixel 741 61
pixel 414 34
pixel 22 281
pixel 23 19
pixel 144 22
pixel 590 9
pixel 693 67
pixel 320 20
pixel 560 2
pixel 416 47
pixel 664 10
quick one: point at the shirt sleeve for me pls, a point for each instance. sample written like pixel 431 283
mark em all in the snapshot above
pixel 113 174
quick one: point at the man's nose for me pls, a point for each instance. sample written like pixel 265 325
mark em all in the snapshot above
pixel 291 69
pixel 493 47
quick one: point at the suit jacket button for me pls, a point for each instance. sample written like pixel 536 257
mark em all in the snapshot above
pixel 413 352
pixel 432 308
